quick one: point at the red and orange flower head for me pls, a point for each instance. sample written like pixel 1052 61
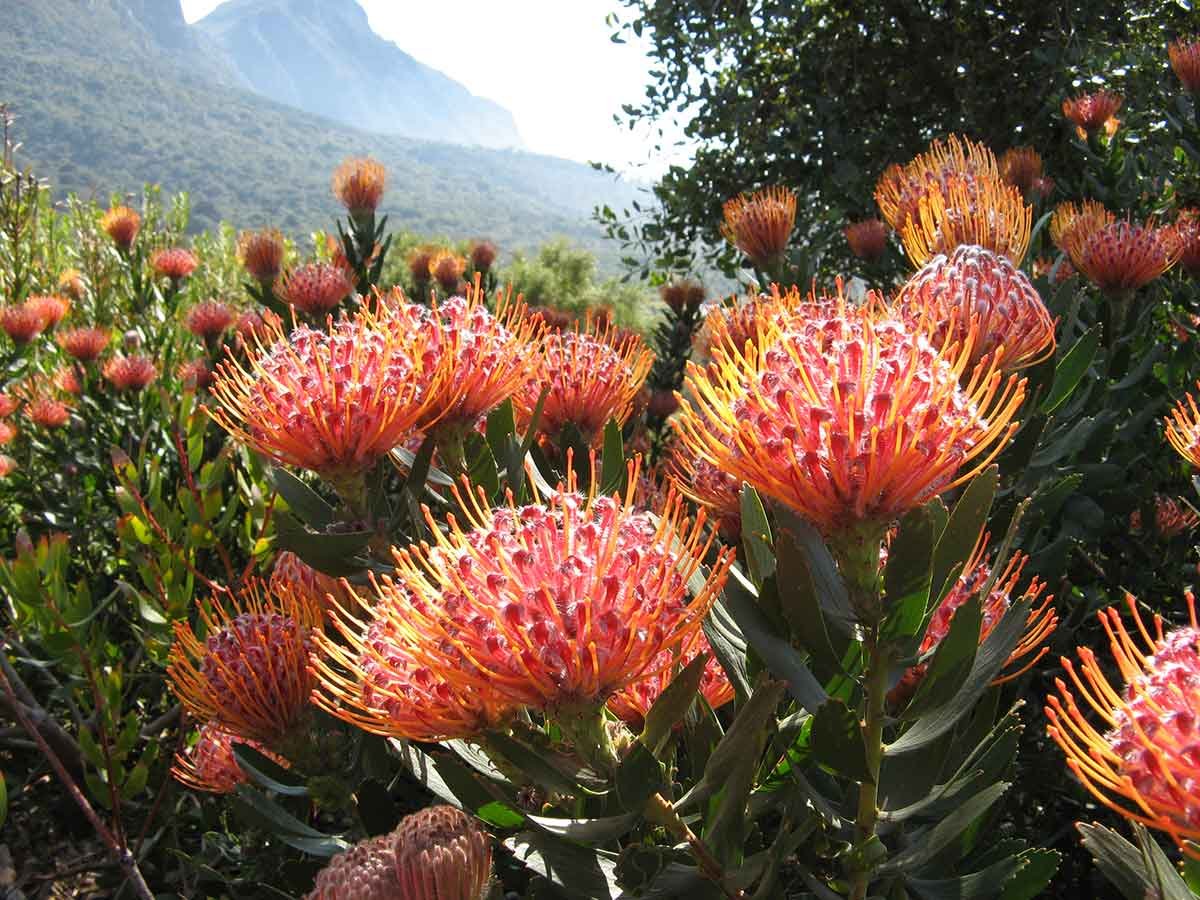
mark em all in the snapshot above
pixel 45 411
pixel 316 588
pixel 51 308
pixel 1022 167
pixel 334 401
pixel 358 184
pixel 1092 112
pixel 709 486
pixel 976 575
pixel 556 605
pixel 957 159
pixel 483 254
pixel 257 324
pixel 8 433
pixel 631 704
pixel 66 379
pixel 1123 256
pixel 741 319
pixel 122 225
pixel 194 375
pixel 209 319
pixel 130 373
pixel 315 288
pixel 175 263
pixel 1057 270
pixel 8 405
pixel 71 283
pixel 976 290
pixel 593 375
pixel 682 294
pixel 1171 517
pixel 987 212
pixel 867 239
pixel 446 268
pixel 760 224
pixel 8 465
pixel 84 344
pixel 1183 429
pixel 21 323
pixel 437 853
pixel 1139 757
pixel 249 675
pixel 261 254
pixel 851 416
pixel 1044 187
pixel 209 764
pixel 418 263
pixel 1187 233
pixel 1072 223
pixel 1184 54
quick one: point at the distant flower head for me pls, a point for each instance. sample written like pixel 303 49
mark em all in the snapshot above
pixel 8 433
pixel 1183 429
pixel 209 319
pixel 8 405
pixel 358 184
pixel 553 319
pixel 209 764
pixel 130 373
pixel 255 325
pixel 1022 167
pixel 900 189
pixel 975 290
pixel 867 238
pixel 1139 758
pixel 51 308
pixel 682 294
pixel 631 704
pixel 446 268
pixel 315 288
pixel 1092 112
pixel 1043 186
pixel 418 263
pixel 122 225
pixel 8 465
pixel 261 254
pixel 437 853
pixel 1057 270
pixel 46 412
pixel 1123 256
pixel 591 375
pixel 1171 518
pixel 483 254
pixel 1187 232
pixel 760 224
pixel 84 344
pixel 175 263
pixel 66 379
pixel 249 675
pixel 1184 54
pixel 21 323
pixel 71 283
pixel 661 404
pixel 194 375
pixel 1072 223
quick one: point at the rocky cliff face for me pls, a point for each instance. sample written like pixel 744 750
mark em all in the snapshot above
pixel 322 56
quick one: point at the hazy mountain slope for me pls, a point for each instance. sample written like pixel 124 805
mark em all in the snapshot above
pixel 321 56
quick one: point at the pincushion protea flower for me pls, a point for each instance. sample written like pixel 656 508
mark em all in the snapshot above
pixel 194 375
pixel 867 239
pixel 250 673
pixel 8 465
pixel 957 159
pixel 556 606
pixel 418 262
pixel 976 287
pixel 988 212
pixel 446 268
pixel 708 485
pixel 331 401
pixel 1058 270
pixel 1187 233
pixel 1073 223
pixel 976 573
pixel 1123 256
pixel 70 282
pixel 682 294
pixel 256 324
pixel 760 224
pixel 1171 517
pixel 1092 112
pixel 483 254
pixel 292 573
pixel 209 764
pixel 437 853
pixel 8 405
pixel 1183 429
pixel 593 375
pixel 122 225
pixel 46 412
pixel 66 379
pixel 51 308
pixel 175 263
pixel 315 288
pixel 733 323
pixel 358 184
pixel 261 254
pixel 84 344
pixel 1140 758
pixel 209 319
pixel 850 416
pixel 129 373
pixel 8 433
pixel 1022 167
pixel 21 323
pixel 631 704
pixel 1184 54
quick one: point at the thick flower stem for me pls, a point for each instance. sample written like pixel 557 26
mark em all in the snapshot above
pixel 875 690
pixel 660 811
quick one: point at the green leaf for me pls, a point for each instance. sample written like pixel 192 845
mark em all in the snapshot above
pixel 302 500
pixel 906 578
pixel 334 554
pixel 962 531
pixel 502 815
pixel 612 464
pixel 501 428
pixel 982 885
pixel 578 871
pixel 584 831
pixel 267 773
pixel 420 467
pixel 1071 369
pixel 799 602
pixel 953 658
pixel 638 778
pixel 927 846
pixel 756 536
pixel 481 465
pixel 537 764
pixel 672 705
pixel 1038 867
pixel 728 646
pixel 837 741
pixel 1126 866
pixel 264 813
pixel 3 800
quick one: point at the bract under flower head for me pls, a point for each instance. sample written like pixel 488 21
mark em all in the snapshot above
pixel 631 704
pixel 315 288
pixel 1183 429
pixel 130 373
pixel 358 184
pixel 1122 256
pixel 591 375
pixel 209 764
pixel 437 853
pixel 50 308
pixel 84 344
pixel 978 290
pixel 334 401
pixel 867 239
pixel 988 212
pixel 760 224
pixel 1092 112
pixel 1184 54
pixel 900 189
pixel 261 254
pixel 175 263
pixel 848 415
pixel 122 225
pixel 1140 758
pixel 250 673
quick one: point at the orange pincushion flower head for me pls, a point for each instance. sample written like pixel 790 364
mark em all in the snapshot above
pixel 682 294
pixel 1084 219
pixel 1123 256
pixel 45 411
pixel 1139 758
pixel 437 853
pixel 741 319
pixel 209 319
pixel 483 254
pixel 250 674
pixel 130 373
pixel 315 288
pixel 867 239
pixel 122 225
pixel 977 288
pixel 850 416
pixel 8 465
pixel 1092 112
pixel 261 254
pixel 257 324
pixel 175 263
pixel 8 405
pixel 84 344
pixel 446 268
pixel 51 308
pixel 66 379
pixel 194 375
pixel 292 573
pixel 8 433
pixel 1057 270
pixel 1183 429
pixel 1184 54
pixel 332 401
pixel 900 188
pixel 21 323
pixel 631 704
pixel 987 212
pixel 209 765
pixel 1022 167
pixel 1187 233
pixel 1171 517
pixel 418 262
pixel 592 375
pixel 709 486
pixel 358 184
pixel 760 224
pixel 70 282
